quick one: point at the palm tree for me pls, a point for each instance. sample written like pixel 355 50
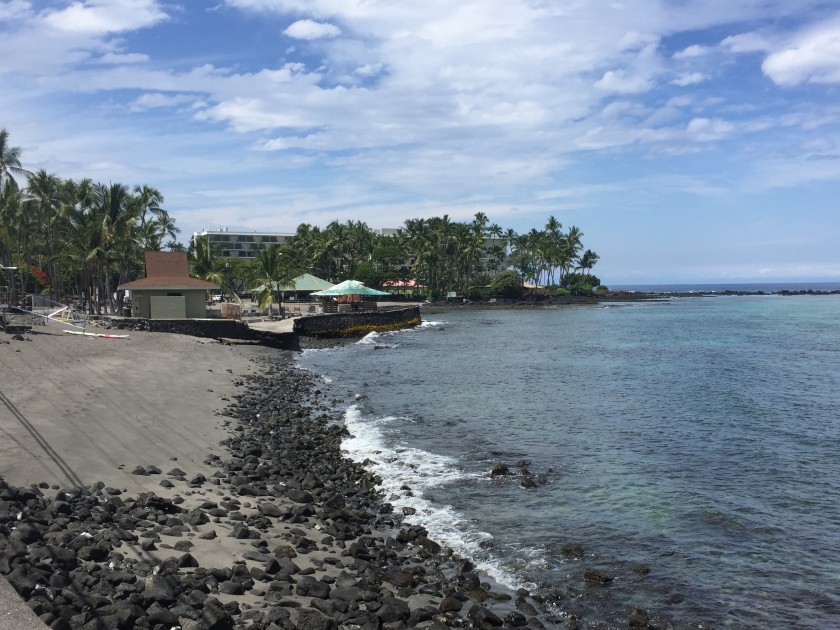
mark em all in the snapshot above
pixel 167 224
pixel 587 261
pixel 47 193
pixel 205 264
pixel 9 159
pixel 148 201
pixel 267 272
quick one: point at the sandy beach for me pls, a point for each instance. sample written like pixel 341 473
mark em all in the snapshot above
pixel 220 469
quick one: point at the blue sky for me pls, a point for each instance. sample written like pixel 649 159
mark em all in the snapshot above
pixel 689 140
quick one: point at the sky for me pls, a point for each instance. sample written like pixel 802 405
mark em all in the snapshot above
pixel 690 140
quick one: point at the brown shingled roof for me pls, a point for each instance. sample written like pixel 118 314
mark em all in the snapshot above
pixel 170 270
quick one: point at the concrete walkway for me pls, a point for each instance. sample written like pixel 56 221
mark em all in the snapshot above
pixel 14 614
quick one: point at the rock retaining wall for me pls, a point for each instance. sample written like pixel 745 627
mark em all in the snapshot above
pixel 211 328
pixel 357 324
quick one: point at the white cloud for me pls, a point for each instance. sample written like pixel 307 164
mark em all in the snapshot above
pixel 746 43
pixel 709 129
pixel 119 58
pixel 14 9
pixel 812 56
pixel 618 81
pixel 369 69
pixel 154 100
pixel 690 78
pixel 106 16
pixel 309 29
pixel 692 51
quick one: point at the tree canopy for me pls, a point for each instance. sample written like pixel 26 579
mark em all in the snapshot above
pixel 79 240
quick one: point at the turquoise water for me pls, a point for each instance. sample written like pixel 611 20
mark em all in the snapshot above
pixel 698 437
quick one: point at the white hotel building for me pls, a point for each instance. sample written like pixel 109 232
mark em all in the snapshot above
pixel 246 244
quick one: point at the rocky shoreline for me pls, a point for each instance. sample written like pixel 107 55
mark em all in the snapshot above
pixel 314 545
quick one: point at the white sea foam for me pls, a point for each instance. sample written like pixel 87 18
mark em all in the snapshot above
pixel 377 337
pixel 369 338
pixel 422 472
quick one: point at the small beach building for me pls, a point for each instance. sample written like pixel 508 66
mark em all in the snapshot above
pixel 168 291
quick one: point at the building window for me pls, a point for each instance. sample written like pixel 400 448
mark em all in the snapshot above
pixel 226 253
pixel 243 254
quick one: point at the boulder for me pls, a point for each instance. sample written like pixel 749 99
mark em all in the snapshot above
pixel 596 576
pixel 311 619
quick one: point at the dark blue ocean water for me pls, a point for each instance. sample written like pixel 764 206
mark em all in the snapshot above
pixel 700 438
pixel 719 287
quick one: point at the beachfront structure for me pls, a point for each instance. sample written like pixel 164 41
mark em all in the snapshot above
pixel 168 291
pixel 246 244
pixel 302 286
pixel 349 296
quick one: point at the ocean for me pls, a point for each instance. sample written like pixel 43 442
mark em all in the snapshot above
pixel 698 438
pixel 750 287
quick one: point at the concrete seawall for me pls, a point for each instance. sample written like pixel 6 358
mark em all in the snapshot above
pixel 343 325
pixel 357 324
pixel 210 328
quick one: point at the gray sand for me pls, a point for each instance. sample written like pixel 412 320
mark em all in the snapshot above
pixel 74 409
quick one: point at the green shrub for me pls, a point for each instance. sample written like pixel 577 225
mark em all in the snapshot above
pixel 581 289
pixel 562 291
pixel 508 284
pixel 602 290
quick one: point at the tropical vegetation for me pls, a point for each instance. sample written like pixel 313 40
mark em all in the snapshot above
pixel 445 256
pixel 77 241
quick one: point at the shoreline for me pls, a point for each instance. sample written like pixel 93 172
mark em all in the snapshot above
pixel 280 531
pixel 430 308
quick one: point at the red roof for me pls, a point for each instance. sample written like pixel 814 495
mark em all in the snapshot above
pixel 168 270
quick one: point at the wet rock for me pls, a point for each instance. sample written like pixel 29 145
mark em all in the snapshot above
pixel 499 470
pixel 479 614
pixel 450 604
pixel 429 545
pixel 571 550
pixel 400 579
pixel 525 607
pixel 516 619
pixel 596 576
pixel 638 618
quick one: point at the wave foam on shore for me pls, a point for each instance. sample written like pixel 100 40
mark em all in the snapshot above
pixel 422 471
